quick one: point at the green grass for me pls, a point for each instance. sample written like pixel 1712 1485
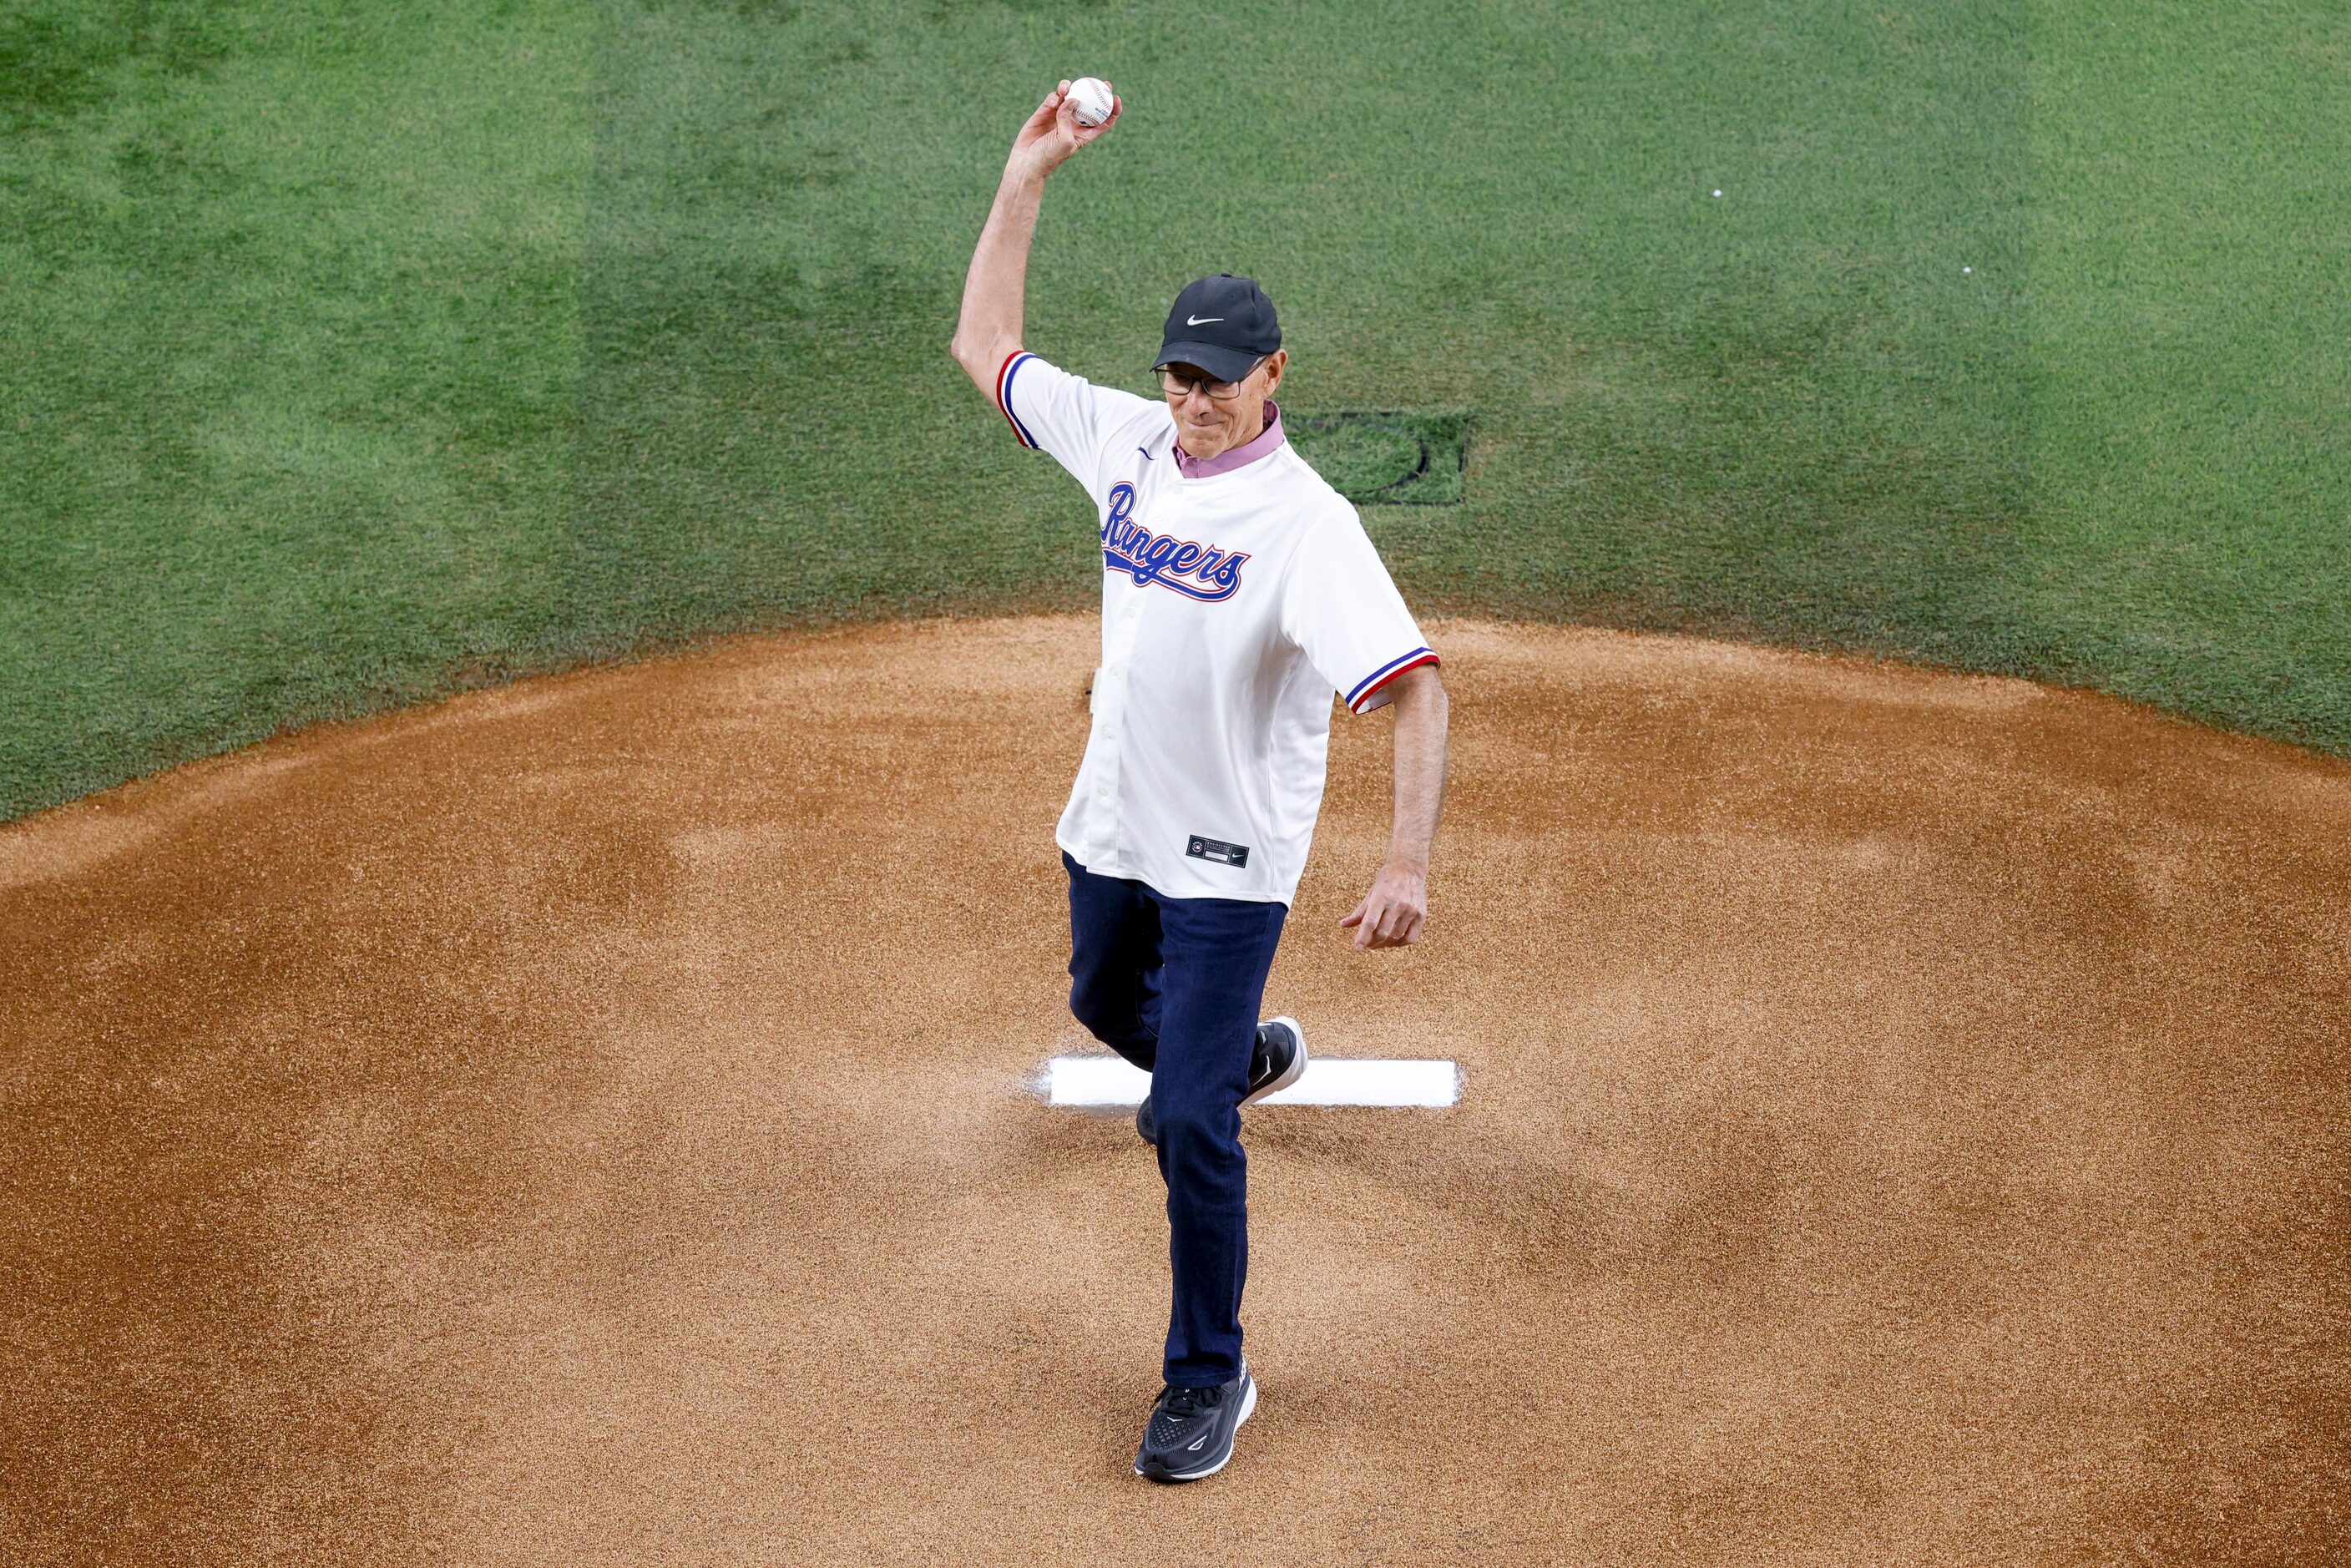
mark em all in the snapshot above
pixel 1386 457
pixel 354 352
pixel 291 333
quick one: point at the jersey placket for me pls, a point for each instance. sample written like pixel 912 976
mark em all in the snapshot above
pixel 1110 721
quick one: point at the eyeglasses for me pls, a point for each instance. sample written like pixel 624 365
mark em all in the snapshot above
pixel 1180 385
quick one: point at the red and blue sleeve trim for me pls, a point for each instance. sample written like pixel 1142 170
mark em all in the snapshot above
pixel 1004 374
pixel 1386 673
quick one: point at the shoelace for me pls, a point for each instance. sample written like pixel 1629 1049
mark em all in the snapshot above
pixel 1183 1404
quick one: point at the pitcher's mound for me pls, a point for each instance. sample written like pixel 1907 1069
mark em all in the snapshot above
pixel 1906 1121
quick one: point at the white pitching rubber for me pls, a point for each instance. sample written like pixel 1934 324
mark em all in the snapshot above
pixel 1110 1083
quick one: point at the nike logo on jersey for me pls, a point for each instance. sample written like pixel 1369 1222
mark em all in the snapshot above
pixel 1200 320
pixel 1216 850
pixel 1147 558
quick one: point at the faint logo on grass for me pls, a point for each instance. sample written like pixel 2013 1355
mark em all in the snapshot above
pixel 1384 459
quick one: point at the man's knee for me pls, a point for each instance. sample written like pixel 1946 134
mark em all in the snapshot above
pixel 1194 1132
pixel 1115 1018
pixel 1105 1016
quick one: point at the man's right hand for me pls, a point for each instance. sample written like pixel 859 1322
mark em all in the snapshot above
pixel 1053 133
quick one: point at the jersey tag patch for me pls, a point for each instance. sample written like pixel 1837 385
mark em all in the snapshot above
pixel 1219 851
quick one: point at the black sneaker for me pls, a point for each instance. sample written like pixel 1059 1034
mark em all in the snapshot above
pixel 1278 1062
pixel 1190 1433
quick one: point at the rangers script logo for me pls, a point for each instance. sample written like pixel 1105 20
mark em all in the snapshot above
pixel 1130 548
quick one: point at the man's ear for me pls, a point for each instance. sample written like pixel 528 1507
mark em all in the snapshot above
pixel 1275 365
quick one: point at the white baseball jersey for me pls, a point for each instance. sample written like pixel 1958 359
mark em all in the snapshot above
pixel 1234 606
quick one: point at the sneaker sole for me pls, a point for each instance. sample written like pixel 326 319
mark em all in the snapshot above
pixel 1248 1408
pixel 1297 1066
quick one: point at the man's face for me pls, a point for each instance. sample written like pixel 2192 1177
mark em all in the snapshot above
pixel 1211 426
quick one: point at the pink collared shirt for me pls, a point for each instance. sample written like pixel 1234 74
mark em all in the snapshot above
pixel 1247 452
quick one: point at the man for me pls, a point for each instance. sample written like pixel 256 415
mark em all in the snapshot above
pixel 1240 593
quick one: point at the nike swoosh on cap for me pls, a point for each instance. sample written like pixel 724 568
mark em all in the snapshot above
pixel 1200 320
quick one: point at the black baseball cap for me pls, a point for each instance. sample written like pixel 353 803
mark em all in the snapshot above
pixel 1222 324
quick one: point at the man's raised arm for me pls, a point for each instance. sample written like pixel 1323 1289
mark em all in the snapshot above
pixel 994 291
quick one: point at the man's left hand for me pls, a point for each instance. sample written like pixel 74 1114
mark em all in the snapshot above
pixel 1392 913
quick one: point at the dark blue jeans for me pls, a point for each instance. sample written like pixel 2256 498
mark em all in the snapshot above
pixel 1173 985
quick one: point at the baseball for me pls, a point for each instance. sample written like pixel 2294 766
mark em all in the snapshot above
pixel 1091 100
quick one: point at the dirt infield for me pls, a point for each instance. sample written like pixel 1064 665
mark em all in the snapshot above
pixel 1906 1119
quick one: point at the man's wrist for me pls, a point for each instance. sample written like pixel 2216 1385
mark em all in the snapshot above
pixel 1408 863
